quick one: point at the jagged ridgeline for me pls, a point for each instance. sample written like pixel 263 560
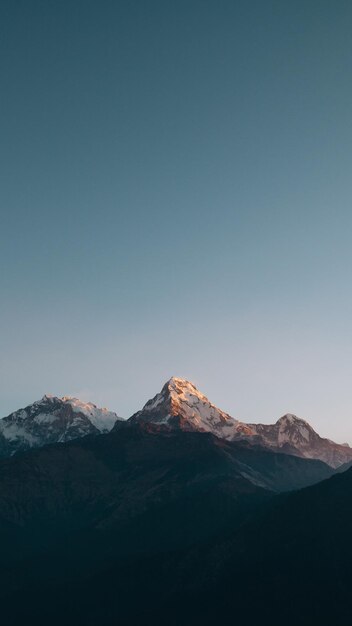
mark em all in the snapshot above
pixel 179 405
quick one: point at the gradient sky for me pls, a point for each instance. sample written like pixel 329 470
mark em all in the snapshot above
pixel 175 199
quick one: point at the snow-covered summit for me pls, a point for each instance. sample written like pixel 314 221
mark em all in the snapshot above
pixel 52 420
pixel 294 429
pixel 181 405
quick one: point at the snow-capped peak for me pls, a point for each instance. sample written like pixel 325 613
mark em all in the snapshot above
pixel 294 435
pixel 48 397
pixel 186 397
pixel 102 419
pixel 52 420
pixel 294 430
pixel 290 418
pixel 181 405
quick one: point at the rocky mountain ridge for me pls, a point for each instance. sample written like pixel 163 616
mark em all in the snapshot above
pixel 181 405
pixel 178 406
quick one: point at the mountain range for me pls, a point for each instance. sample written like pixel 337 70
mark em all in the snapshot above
pixel 180 514
pixel 179 405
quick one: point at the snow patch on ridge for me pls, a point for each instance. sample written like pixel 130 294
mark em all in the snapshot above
pixel 102 419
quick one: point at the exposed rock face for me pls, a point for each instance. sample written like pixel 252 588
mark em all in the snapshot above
pixel 52 420
pixel 295 436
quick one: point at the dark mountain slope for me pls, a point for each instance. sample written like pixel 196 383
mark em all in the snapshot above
pixel 298 556
pixel 131 512
pixel 102 480
pixel 290 564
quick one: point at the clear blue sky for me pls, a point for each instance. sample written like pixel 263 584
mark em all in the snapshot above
pixel 175 198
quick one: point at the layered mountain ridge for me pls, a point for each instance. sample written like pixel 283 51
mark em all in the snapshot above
pixel 139 482
pixel 87 520
pixel 178 406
